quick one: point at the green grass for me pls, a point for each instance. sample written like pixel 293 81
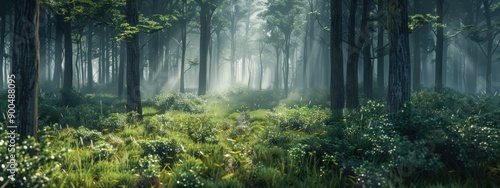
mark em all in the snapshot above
pixel 242 138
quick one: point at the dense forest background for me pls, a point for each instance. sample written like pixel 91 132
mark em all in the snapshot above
pixel 353 92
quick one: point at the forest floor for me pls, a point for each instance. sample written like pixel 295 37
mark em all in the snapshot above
pixel 244 138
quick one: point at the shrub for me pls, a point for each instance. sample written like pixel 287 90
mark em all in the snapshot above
pixel 178 101
pixel 303 118
pixel 86 136
pixel 103 151
pixel 166 150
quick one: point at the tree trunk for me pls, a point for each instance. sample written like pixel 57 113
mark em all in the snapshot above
pixel 337 67
pixel 121 71
pixel 354 50
pixel 218 59
pixel 352 59
pixel 68 63
pixel 489 47
pixel 183 54
pixel 42 35
pixel 261 66
pixel 101 56
pixel 399 56
pixel 286 63
pixel 133 60
pixel 106 56
pixel 3 12
pixel 416 52
pixel 233 58
pixel 380 45
pixel 277 69
pixel 439 47
pixel 58 51
pixel 90 80
pixel 25 69
pixel 49 49
pixel 367 71
pixel 205 18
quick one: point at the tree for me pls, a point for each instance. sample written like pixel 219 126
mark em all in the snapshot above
pixel 233 15
pixel 58 51
pixel 133 54
pixel 352 100
pixel 68 64
pixel 439 46
pixel 416 51
pixel 206 11
pixel 337 67
pixel 3 12
pixel 490 37
pixel 367 57
pixel 282 14
pixel 398 94
pixel 26 67
pixel 90 42
pixel 380 44
pixel 186 15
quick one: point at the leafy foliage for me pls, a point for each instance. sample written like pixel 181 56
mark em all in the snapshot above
pixel 450 137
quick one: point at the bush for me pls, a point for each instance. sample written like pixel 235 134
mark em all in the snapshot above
pixel 166 150
pixel 86 136
pixel 103 151
pixel 303 118
pixel 178 101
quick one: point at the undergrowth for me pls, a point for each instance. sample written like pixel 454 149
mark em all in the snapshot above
pixel 241 138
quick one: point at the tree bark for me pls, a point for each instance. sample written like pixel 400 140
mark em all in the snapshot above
pixel 68 64
pixel 277 69
pixel 286 62
pixel 3 12
pixel 261 66
pixel 380 46
pixel 367 71
pixel 58 51
pixel 352 59
pixel 354 50
pixel 489 44
pixel 183 54
pixel 439 47
pixel 205 19
pixel 337 67
pixel 416 52
pixel 25 68
pixel 133 60
pixel 121 71
pixel 398 94
pixel 90 80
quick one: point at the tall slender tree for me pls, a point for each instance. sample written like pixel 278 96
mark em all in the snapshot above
pixel 3 13
pixel 207 10
pixel 58 51
pixel 337 67
pixel 26 67
pixel 352 100
pixel 439 46
pixel 398 93
pixel 90 42
pixel 68 64
pixel 380 44
pixel 133 55
pixel 416 51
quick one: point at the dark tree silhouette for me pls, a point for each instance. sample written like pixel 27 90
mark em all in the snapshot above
pixel 26 66
pixel 337 67
pixel 399 55
pixel 133 75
